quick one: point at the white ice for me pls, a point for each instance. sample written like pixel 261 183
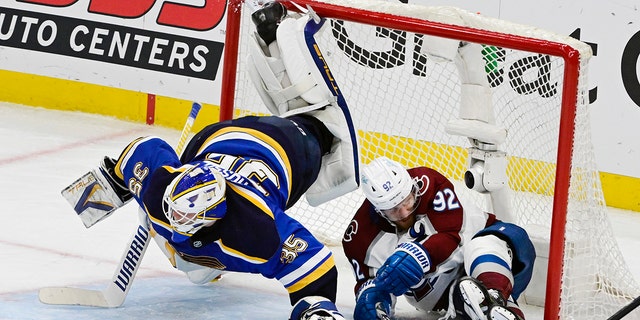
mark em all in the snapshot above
pixel 43 243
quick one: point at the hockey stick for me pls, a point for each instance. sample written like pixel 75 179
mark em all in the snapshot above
pixel 626 309
pixel 116 291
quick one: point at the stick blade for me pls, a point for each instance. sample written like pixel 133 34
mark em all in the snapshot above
pixel 75 296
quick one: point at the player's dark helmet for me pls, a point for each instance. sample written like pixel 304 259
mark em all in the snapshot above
pixel 195 199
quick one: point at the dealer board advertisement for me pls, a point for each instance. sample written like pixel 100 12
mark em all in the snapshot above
pixel 166 48
pixel 174 48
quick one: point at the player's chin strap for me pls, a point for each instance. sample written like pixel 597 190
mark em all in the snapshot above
pixel 292 77
pixel 487 164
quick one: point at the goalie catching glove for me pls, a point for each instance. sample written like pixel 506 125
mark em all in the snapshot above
pixel 98 193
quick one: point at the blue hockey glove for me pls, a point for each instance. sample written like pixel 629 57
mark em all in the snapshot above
pixel 372 303
pixel 404 268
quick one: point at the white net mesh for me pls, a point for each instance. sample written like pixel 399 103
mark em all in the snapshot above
pixel 401 100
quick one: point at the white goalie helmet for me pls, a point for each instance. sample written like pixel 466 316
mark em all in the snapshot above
pixel 386 184
pixel 195 199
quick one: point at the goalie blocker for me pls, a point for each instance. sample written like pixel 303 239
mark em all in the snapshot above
pixel 97 194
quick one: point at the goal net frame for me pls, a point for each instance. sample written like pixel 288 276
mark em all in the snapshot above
pixel 573 54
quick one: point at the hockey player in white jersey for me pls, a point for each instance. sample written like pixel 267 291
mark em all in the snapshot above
pixel 413 236
pixel 220 205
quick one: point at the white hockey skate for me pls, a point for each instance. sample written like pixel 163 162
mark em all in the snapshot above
pixel 501 313
pixel 472 301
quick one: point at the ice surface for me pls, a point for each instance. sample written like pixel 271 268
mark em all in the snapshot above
pixel 43 243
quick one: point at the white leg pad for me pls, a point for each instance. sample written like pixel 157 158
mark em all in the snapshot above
pixel 267 72
pixel 290 80
pixel 339 172
pixel 285 74
pixel 479 130
pixel 476 98
pixel 299 62
pixel 476 117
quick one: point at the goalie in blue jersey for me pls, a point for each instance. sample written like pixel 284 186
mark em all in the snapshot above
pixel 220 205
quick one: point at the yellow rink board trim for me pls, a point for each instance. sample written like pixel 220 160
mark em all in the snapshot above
pixel 52 93
pixel 68 95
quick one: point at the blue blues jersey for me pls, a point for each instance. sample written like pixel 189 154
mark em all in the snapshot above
pixel 268 163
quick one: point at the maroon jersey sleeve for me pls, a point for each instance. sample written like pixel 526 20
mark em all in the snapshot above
pixel 363 229
pixel 440 205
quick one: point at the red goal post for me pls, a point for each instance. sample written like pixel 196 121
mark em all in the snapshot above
pixel 573 180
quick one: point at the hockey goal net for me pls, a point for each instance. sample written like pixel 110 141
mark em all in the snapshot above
pixel 402 99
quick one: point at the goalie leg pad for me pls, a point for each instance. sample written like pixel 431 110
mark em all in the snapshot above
pixel 92 197
pixel 289 75
pixel 285 73
pixel 470 65
pixel 475 103
pixel 339 173
pixel 267 72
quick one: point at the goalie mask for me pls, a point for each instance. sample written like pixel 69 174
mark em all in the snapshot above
pixel 195 199
pixel 390 189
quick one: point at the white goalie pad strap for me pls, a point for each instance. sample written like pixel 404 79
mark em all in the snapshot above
pixel 298 61
pixel 272 82
pixel 439 49
pixel 339 170
pixel 92 197
pixel 479 130
pixel 308 109
pixel 263 77
pixel 286 77
pixel 294 91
